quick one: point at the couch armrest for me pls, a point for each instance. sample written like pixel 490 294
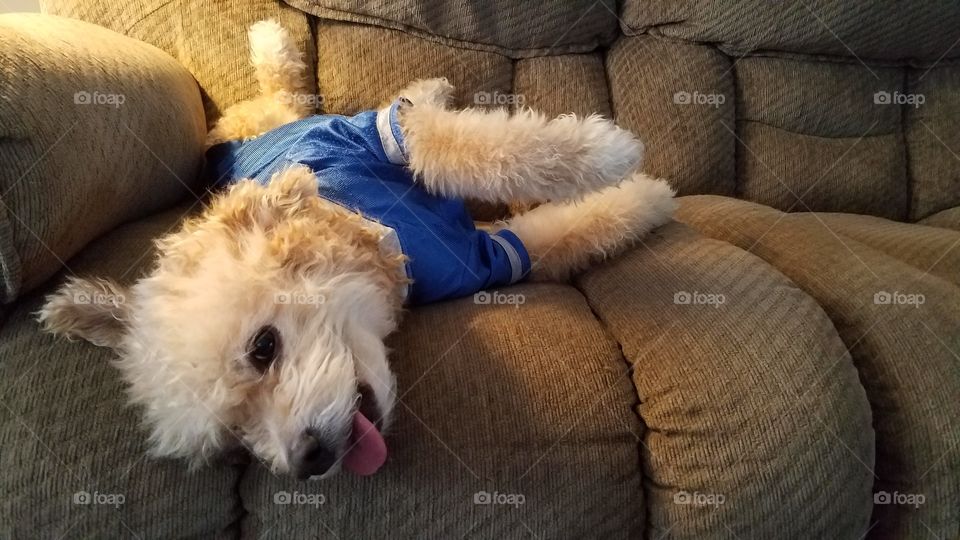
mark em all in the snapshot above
pixel 95 129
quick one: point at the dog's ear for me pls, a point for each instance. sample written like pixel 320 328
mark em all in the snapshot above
pixel 92 309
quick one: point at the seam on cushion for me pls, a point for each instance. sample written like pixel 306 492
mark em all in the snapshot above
pixel 734 81
pixel 906 149
pixel 785 130
pixel 10 264
pixel 378 22
pixel 604 59
pixel 145 16
pixel 236 526
pixel 636 404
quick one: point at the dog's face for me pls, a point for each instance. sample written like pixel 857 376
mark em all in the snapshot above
pixel 261 327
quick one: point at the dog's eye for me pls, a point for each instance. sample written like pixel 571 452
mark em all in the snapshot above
pixel 264 347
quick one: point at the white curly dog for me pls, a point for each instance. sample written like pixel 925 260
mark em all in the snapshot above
pixel 261 325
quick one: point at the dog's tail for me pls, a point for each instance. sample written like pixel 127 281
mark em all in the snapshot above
pixel 284 90
pixel 276 59
pixel 565 238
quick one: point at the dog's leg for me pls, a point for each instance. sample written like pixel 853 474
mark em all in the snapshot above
pixel 522 158
pixel 429 92
pixel 284 91
pixel 564 238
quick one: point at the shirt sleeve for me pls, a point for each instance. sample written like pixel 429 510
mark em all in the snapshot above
pixel 391 136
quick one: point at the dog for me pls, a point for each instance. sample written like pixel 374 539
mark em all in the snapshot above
pixel 261 325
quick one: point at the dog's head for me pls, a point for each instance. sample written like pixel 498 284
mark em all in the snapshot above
pixel 261 326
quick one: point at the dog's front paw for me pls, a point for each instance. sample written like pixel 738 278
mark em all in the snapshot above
pixel 613 153
pixel 437 91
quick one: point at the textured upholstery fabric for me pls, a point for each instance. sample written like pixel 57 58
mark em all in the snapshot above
pixel 654 89
pixel 752 407
pixel 812 137
pixel 354 76
pixel 929 249
pixel 923 31
pixel 531 399
pixel 801 116
pixel 903 348
pixel 65 430
pixel 948 219
pixel 749 419
pixel 95 129
pixel 933 140
pixel 207 38
pixel 555 85
pixel 515 29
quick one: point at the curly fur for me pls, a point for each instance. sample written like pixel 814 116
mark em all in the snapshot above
pixel 182 333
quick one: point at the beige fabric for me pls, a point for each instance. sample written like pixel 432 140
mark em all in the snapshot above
pixel 354 75
pixel 947 219
pixel 690 144
pixel 904 350
pixel 925 31
pixel 813 138
pixel 757 426
pixel 795 172
pixel 66 431
pixel 95 129
pixel 756 400
pixel 822 99
pixel 208 38
pixel 530 399
pixel 933 140
pixel 572 83
pixel 515 29
pixel 928 249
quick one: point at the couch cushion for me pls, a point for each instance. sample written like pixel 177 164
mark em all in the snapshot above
pixel 679 99
pixel 887 30
pixel 947 219
pixel 933 139
pixel 353 76
pixel 95 129
pixel 209 39
pixel 526 402
pixel 813 138
pixel 929 249
pixel 73 459
pixel 902 327
pixel 555 85
pixel 516 29
pixel 755 421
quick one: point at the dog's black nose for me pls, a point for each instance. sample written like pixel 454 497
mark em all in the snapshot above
pixel 313 458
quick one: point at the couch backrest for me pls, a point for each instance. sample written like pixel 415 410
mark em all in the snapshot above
pixel 813 105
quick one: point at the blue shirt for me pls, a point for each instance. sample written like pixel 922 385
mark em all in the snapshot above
pixel 360 164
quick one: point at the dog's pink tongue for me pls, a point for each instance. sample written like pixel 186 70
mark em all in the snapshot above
pixel 368 450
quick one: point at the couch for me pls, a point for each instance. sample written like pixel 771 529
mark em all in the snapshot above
pixel 781 361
